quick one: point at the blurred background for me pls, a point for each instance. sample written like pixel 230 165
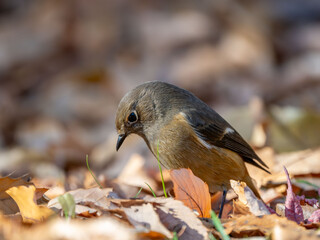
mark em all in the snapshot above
pixel 65 65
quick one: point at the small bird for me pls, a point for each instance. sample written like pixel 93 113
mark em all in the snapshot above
pixel 187 133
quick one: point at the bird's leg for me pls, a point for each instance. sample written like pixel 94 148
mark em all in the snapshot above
pixel 224 194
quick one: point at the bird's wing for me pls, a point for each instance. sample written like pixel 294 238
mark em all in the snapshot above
pixel 214 130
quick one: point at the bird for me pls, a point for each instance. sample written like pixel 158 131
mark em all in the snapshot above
pixel 186 133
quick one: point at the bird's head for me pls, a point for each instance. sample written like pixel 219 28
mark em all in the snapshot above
pixel 135 114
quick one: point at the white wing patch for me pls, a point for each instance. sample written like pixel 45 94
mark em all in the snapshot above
pixel 204 143
pixel 228 130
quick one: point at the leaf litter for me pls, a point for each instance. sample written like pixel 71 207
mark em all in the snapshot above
pixel 188 216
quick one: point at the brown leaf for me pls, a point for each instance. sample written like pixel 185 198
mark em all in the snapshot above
pixel 192 191
pixel 24 197
pixel 7 204
pixel 145 219
pixel 247 197
pixel 288 232
pixel 133 174
pixel 302 162
pixel 94 228
pixel 86 200
pixel 240 209
pixel 127 202
pixel 251 225
pixel 40 192
pixel 178 218
pixel 7 182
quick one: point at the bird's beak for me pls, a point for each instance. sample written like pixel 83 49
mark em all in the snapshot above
pixel 121 139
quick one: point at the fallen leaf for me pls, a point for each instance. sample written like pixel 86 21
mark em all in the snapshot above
pixel 145 219
pixel 284 232
pixel 306 209
pixel 192 191
pixel 133 174
pixel 270 195
pixel 127 202
pixel 7 204
pixel 93 228
pixel 240 209
pixel 301 162
pixel 40 192
pixel 178 218
pixel 293 209
pixel 251 225
pixel 87 200
pixel 247 197
pixel 267 155
pixel 310 201
pixel 24 197
pixel 7 182
pixel 315 217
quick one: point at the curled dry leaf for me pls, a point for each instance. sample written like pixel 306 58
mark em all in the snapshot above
pixel 293 209
pixel 247 197
pixel 192 191
pixel 240 209
pixel 24 197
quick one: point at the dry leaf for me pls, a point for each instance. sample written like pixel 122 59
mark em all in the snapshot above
pixel 7 204
pixel 247 197
pixel 145 219
pixel 192 191
pixel 178 218
pixel 302 162
pixel 285 232
pixel 86 200
pixel 251 225
pixel 240 209
pixel 315 217
pixel 293 210
pixel 7 182
pixel 127 202
pixel 306 209
pixel 24 197
pixel 267 155
pixel 310 201
pixel 94 228
pixel 133 174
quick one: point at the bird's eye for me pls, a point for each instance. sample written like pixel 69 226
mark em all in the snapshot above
pixel 132 118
